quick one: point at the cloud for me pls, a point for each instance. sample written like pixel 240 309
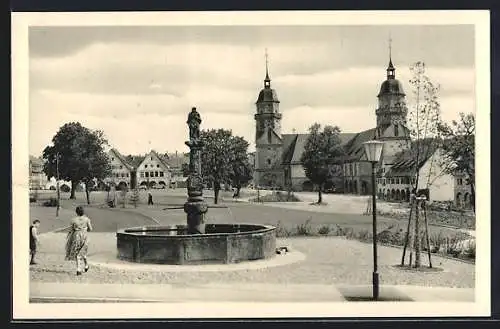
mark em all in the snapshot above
pixel 138 84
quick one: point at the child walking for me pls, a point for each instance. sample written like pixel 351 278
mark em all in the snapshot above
pixel 33 240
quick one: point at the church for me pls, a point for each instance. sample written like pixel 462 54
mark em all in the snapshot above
pixel 277 155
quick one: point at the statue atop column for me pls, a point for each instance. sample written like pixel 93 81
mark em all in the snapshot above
pixel 194 121
pixel 195 207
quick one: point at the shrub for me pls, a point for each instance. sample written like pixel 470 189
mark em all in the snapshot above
pixel 324 229
pixel 305 228
pixel 281 231
pixel 52 202
pixel 276 196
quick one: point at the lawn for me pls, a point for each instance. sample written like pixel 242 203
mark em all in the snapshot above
pixel 108 220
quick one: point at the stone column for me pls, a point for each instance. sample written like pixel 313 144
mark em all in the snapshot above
pixel 195 207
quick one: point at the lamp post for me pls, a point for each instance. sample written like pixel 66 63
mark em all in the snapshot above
pixel 373 152
pixel 57 185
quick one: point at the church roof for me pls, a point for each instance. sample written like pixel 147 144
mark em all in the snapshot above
pixel 355 148
pixel 268 95
pixel 293 146
pixel 392 87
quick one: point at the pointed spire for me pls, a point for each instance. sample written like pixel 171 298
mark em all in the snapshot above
pixel 390 68
pixel 267 80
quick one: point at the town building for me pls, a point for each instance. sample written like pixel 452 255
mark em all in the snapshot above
pixel 154 172
pixel 278 156
pixel 178 163
pixel 37 178
pixel 122 172
pixel 396 183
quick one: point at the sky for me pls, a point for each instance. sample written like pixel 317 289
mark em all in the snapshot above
pixel 138 84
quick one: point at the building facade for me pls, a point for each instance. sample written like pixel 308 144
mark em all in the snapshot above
pixel 154 172
pixel 37 180
pixel 122 173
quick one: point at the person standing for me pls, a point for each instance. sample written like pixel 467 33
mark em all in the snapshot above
pixel 77 241
pixel 33 240
pixel 150 199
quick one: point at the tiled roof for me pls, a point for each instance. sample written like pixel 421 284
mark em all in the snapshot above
pixel 405 161
pixel 122 159
pixel 160 158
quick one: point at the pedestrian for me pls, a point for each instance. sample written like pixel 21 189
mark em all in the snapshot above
pixel 150 199
pixel 77 241
pixel 33 240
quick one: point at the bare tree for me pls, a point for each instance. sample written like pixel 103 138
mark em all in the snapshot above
pixel 424 117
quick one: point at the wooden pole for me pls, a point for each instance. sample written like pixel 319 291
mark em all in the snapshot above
pixel 427 235
pixel 416 238
pixel 407 234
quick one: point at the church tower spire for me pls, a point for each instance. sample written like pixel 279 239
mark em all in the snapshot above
pixel 391 71
pixel 267 80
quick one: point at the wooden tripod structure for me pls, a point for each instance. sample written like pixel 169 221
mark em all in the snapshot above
pixel 416 204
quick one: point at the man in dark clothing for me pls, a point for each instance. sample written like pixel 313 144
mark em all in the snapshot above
pixel 33 240
pixel 150 199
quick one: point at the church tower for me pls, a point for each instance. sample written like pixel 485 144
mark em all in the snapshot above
pixel 268 139
pixel 391 113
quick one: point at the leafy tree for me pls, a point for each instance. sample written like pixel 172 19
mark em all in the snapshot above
pixel 322 155
pixel 221 152
pixel 81 156
pixel 185 169
pixel 242 169
pixel 459 149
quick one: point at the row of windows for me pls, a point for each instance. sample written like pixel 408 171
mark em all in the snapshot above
pixel 118 175
pixel 152 166
pixel 143 174
pixel 396 180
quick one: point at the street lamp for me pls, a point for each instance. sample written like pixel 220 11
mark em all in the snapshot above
pixel 373 152
pixel 57 185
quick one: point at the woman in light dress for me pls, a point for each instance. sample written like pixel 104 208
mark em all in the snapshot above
pixel 77 241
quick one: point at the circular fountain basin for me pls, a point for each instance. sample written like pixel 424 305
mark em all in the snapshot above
pixel 221 243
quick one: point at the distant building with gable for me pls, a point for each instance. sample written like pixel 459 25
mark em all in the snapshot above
pixel 154 171
pixel 122 172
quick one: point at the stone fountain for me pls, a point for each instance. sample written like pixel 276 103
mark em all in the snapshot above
pixel 197 242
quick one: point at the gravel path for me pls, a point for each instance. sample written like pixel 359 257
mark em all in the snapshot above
pixel 329 261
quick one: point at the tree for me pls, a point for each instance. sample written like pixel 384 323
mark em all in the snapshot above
pixel 123 192
pixel 424 118
pixel 242 169
pixel 134 198
pixel 459 149
pixel 220 153
pixel 322 155
pixel 81 156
